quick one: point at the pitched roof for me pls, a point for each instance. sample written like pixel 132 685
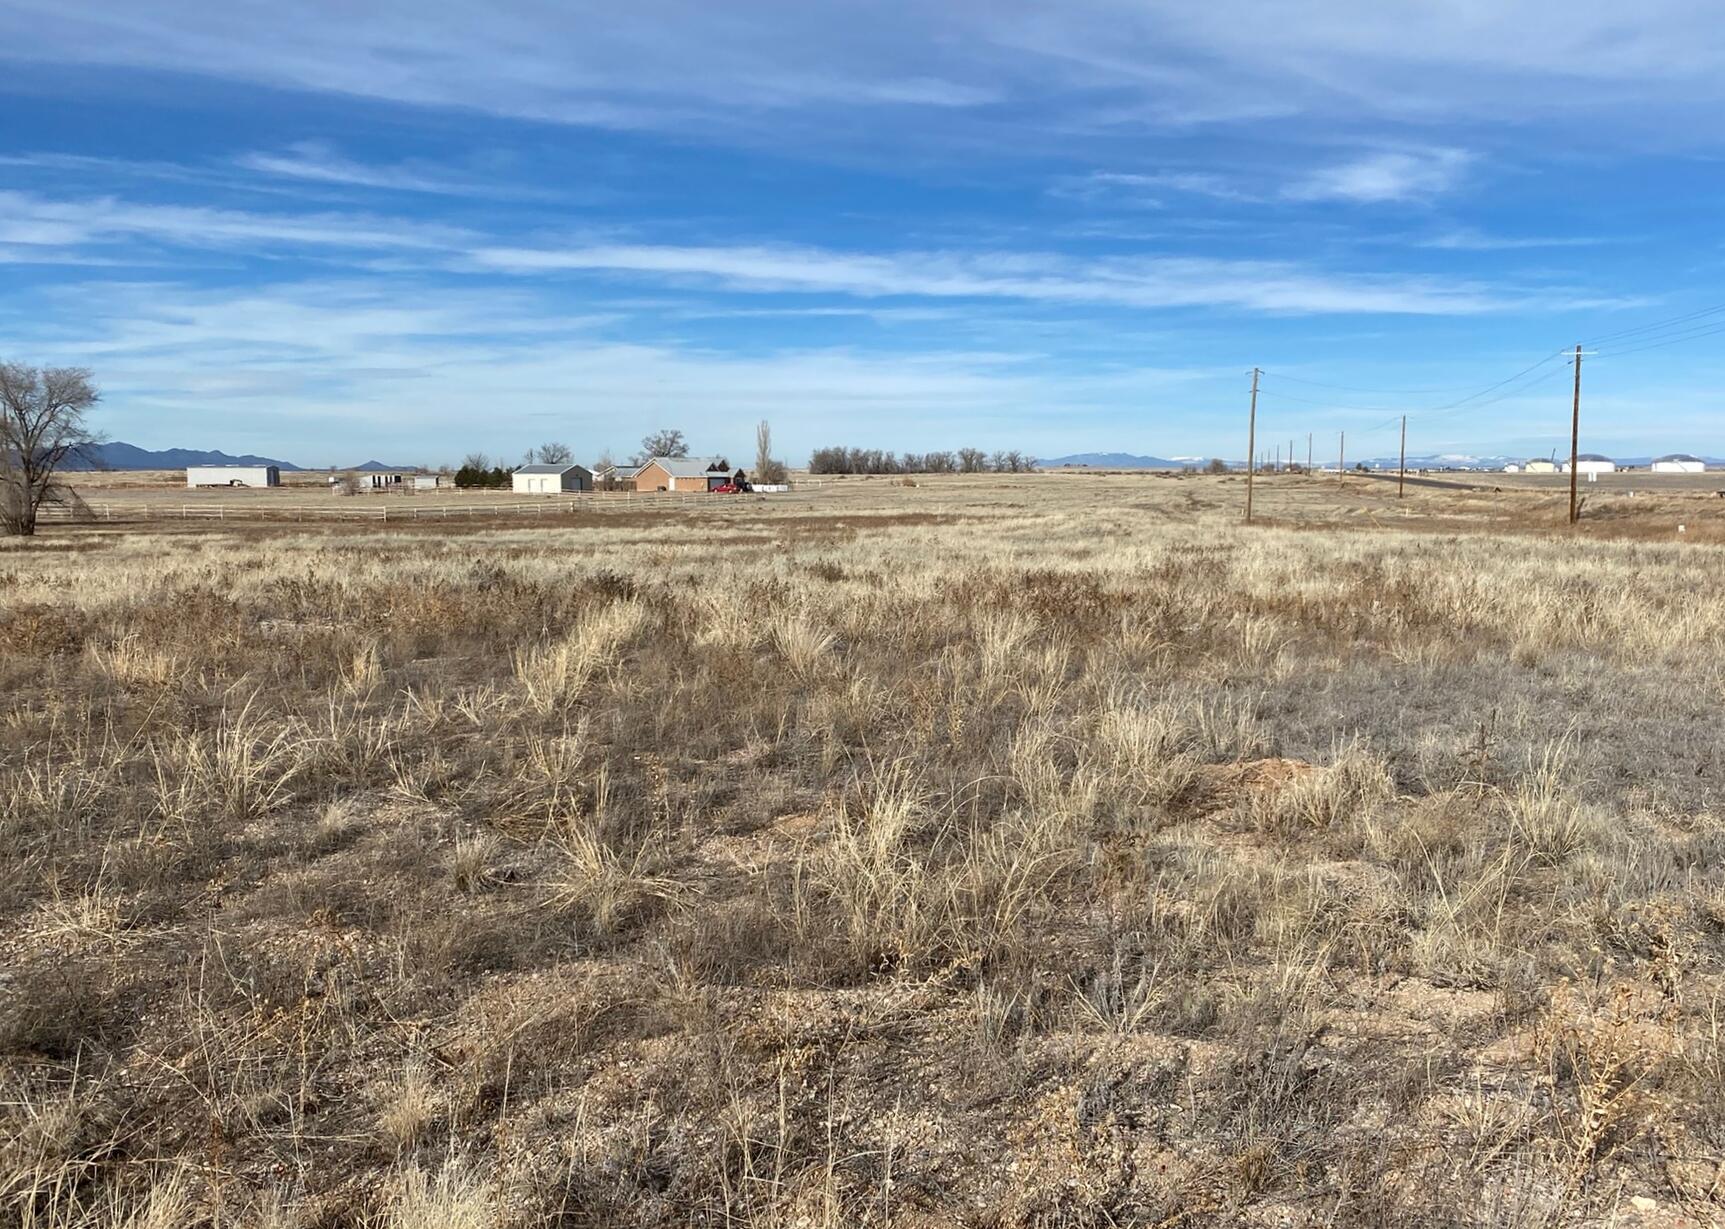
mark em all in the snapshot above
pixel 1675 456
pixel 546 469
pixel 689 467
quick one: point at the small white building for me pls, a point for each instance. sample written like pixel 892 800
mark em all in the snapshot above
pixel 1539 465
pixel 1592 463
pixel 551 479
pixel 1514 467
pixel 232 475
pixel 427 482
pixel 387 480
pixel 1679 463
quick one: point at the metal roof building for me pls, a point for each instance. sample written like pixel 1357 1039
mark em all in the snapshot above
pixel 551 479
pixel 1592 463
pixel 685 474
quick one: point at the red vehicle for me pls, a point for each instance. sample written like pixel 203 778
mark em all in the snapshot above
pixel 729 488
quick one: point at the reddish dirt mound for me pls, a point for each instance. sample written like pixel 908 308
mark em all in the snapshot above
pixel 1222 785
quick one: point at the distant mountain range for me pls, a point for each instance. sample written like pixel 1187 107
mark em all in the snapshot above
pixel 123 456
pixel 118 455
pixel 1121 460
pixel 1450 461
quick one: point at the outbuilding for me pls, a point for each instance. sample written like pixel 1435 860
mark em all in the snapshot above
pixel 1679 463
pixel 687 474
pixel 551 479
pixel 1592 463
pixel 233 475
pixel 427 482
pixel 616 477
pixel 1539 465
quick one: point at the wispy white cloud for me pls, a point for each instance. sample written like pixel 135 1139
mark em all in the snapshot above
pixel 103 227
pixel 1387 176
pixel 1149 189
pixel 1102 65
pixel 1143 282
pixel 30 219
pixel 1469 240
pixel 318 162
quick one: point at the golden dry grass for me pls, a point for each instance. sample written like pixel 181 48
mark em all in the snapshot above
pixel 1031 851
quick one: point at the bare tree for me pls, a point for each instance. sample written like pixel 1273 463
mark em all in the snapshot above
pixel 42 426
pixel 663 443
pixel 556 454
pixel 767 468
pixel 972 460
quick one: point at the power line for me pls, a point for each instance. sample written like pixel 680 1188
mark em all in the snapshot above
pixel 1691 335
pixel 1657 325
pixel 1349 388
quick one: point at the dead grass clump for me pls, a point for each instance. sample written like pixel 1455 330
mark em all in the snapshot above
pixel 454 1196
pixel 42 631
pixel 410 1108
pixel 553 675
pixel 1348 787
pixel 1546 819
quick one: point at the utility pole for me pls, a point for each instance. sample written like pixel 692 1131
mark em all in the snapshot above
pixel 1290 456
pixel 1308 452
pixel 1402 482
pixel 1575 436
pixel 1251 444
pixel 1276 466
pixel 1341 458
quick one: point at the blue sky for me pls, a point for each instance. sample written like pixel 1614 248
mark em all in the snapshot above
pixel 423 229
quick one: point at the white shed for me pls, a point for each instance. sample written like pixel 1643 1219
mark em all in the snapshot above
pixel 1679 463
pixel 551 479
pixel 232 475
pixel 1514 467
pixel 427 482
pixel 1592 463
pixel 1539 465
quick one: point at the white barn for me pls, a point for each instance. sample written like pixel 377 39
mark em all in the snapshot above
pixel 1592 463
pixel 551 479
pixel 232 475
pixel 1679 463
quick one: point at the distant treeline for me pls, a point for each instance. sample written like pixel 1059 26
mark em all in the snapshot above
pixel 841 460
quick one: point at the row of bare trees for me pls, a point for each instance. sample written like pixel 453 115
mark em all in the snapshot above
pixel 842 460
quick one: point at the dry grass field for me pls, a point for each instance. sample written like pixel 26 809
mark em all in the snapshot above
pixel 1043 851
